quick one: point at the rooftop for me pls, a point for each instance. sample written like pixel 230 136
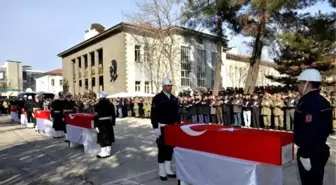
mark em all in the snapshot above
pixel 120 27
pixel 55 72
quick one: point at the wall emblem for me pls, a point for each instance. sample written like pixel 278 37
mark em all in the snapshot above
pixel 113 71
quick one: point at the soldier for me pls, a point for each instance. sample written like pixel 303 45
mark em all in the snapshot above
pixel 312 126
pixel 104 122
pixel 149 104
pixel 266 111
pixel 164 112
pixel 333 104
pixel 57 116
pixel 38 105
pixel 219 110
pixel 69 107
pixel 28 106
pixel 290 103
pixel 278 113
pixel 136 107
pixel 255 111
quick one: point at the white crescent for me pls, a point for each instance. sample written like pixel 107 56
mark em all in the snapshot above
pixel 228 129
pixel 72 116
pixel 186 129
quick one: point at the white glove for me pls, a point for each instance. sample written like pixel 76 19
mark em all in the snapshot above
pixel 157 132
pixel 33 115
pixel 62 119
pixel 97 129
pixel 51 119
pixel 306 163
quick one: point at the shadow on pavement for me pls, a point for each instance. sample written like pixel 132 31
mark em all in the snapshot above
pixel 51 161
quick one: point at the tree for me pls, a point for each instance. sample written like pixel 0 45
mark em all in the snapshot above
pixel 310 44
pixel 157 18
pixel 211 14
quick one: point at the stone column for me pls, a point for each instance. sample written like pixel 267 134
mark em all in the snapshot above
pixel 77 76
pixel 96 90
pixel 83 74
pixel 89 76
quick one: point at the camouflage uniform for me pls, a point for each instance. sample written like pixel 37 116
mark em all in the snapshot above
pixel 333 104
pixel 266 111
pixel 136 108
pixel 278 113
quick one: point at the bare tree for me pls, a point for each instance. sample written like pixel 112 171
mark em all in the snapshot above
pixel 157 18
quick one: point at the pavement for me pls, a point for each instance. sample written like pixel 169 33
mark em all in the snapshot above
pixel 30 158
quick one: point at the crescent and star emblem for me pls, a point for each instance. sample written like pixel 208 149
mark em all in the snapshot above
pixel 187 129
pixel 72 116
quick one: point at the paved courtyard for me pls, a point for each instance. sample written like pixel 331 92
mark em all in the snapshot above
pixel 27 157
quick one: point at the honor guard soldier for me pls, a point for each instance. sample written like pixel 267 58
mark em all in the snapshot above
pixel 312 126
pixel 69 107
pixel 164 112
pixel 28 106
pixel 38 105
pixel 104 122
pixel 57 116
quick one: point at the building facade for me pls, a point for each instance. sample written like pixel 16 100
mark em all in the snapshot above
pixel 130 58
pixel 51 82
pixel 29 77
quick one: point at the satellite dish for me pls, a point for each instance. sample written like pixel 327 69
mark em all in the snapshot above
pixel 29 90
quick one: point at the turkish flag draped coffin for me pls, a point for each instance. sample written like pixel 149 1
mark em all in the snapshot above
pixel 42 114
pixel 80 120
pixel 270 147
pixel 13 108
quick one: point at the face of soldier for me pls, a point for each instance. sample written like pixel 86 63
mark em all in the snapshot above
pixel 304 87
pixel 167 88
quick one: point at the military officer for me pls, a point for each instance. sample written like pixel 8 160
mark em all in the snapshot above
pixel 57 116
pixel 312 126
pixel 104 122
pixel 266 111
pixel 278 112
pixel 164 112
pixel 136 107
pixel 69 107
pixel 333 104
pixel 290 103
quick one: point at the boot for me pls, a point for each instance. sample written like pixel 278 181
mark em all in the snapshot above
pixel 102 152
pixel 66 138
pixel 107 151
pixel 162 172
pixel 169 172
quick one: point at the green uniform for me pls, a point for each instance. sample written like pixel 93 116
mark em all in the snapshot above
pixel 333 104
pixel 136 109
pixel 266 111
pixel 278 113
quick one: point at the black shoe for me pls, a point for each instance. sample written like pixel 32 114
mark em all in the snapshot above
pixel 163 178
pixel 66 141
pixel 171 175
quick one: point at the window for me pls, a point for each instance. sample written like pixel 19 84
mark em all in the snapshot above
pixel 80 83
pixel 92 57
pixel 185 66
pixel 52 82
pixel 61 82
pixel 146 54
pixel 100 56
pixel 201 63
pixel 146 87
pixel 85 61
pixel 213 62
pixel 137 86
pixel 137 53
pixel 79 62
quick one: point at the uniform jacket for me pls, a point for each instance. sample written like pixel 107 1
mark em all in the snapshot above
pixel 278 107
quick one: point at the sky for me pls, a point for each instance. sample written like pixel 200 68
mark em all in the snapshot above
pixel 35 31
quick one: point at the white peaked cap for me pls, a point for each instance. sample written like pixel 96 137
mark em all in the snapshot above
pixel 102 94
pixel 310 75
pixel 166 81
pixel 56 97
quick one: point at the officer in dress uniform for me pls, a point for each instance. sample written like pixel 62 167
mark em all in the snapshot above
pixel 28 106
pixel 57 116
pixel 38 105
pixel 164 112
pixel 104 121
pixel 69 107
pixel 312 126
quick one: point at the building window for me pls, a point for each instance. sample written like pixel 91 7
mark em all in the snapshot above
pixel 61 82
pixel 213 62
pixel 86 61
pixel 80 83
pixel 79 62
pixel 146 87
pixel 146 53
pixel 201 63
pixel 52 82
pixel 92 57
pixel 100 56
pixel 137 86
pixel 137 53
pixel 185 66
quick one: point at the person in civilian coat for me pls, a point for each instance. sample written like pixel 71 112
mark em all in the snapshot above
pixel 227 110
pixel 255 111
pixel 237 110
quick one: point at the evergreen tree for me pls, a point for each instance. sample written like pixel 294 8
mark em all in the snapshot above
pixel 309 43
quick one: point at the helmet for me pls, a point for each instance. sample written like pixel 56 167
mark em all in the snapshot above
pixel 310 75
pixel 102 94
pixel 56 97
pixel 166 81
